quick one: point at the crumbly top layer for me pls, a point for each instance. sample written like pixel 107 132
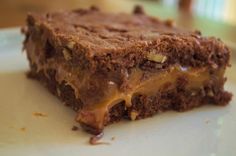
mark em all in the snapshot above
pixel 121 37
pixel 100 31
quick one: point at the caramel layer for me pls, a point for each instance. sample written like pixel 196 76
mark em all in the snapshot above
pixel 100 92
pixel 96 113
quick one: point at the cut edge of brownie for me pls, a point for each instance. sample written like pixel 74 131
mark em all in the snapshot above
pixel 201 52
pixel 142 106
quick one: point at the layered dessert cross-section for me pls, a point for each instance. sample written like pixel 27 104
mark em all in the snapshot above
pixel 109 67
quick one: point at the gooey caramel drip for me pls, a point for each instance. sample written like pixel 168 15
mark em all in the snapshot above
pixel 96 113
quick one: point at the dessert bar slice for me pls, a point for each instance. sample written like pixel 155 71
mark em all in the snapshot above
pixel 109 67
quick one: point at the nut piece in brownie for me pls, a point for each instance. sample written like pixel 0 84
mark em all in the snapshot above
pixel 110 67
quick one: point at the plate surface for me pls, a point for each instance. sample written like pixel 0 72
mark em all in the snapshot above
pixel 205 131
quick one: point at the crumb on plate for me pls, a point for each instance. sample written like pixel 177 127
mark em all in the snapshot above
pixel 38 114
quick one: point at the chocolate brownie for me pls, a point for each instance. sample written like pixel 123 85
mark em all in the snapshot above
pixel 109 67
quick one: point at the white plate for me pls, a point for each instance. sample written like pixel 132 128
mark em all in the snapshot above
pixel 205 131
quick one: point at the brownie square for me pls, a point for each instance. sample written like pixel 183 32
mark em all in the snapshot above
pixel 109 67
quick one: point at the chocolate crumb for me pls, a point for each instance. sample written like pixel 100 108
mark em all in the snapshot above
pixel 198 32
pixel 169 23
pixel 94 140
pixel 23 129
pixel 138 9
pixel 38 114
pixel 74 128
pixel 94 8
